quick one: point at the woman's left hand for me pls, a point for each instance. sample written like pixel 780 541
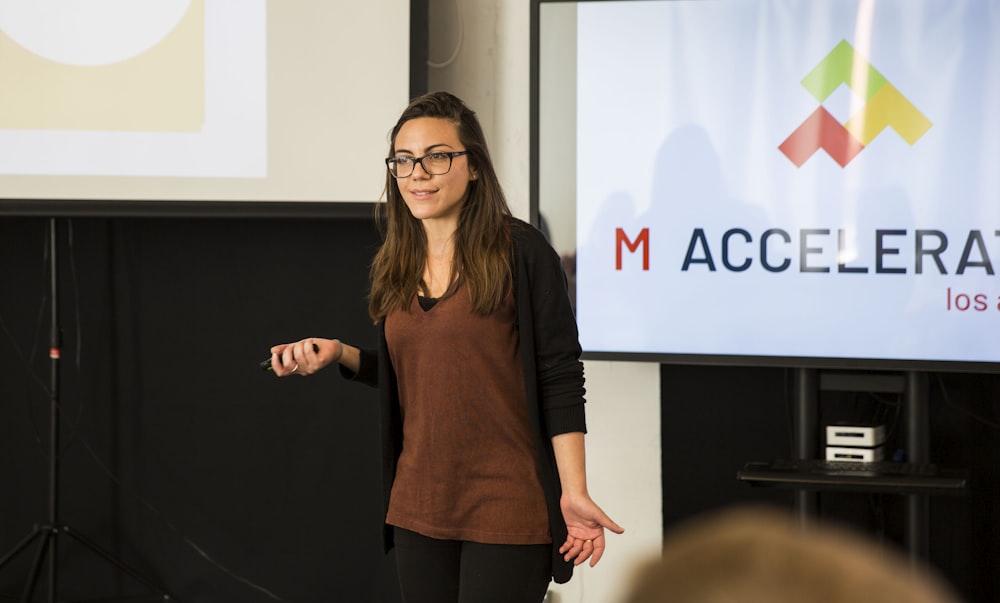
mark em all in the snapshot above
pixel 585 522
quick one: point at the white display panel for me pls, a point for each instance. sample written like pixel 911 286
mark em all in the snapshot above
pixel 200 100
pixel 787 179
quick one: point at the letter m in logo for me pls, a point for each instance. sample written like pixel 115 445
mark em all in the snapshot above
pixel 622 239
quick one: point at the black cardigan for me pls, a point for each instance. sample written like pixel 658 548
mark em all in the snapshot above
pixel 553 375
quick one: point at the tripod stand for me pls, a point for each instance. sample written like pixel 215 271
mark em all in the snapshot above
pixel 47 535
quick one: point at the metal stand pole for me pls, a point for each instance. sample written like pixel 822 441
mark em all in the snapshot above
pixel 805 416
pixel 46 535
pixel 918 452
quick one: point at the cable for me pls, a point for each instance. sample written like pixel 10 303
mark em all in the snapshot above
pixel 173 528
pixel 78 330
pixel 145 503
pixel 948 401
pixel 458 43
pixel 788 379
pixel 25 361
pixel 885 404
pixel 76 293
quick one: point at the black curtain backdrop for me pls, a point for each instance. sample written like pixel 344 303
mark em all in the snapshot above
pixel 222 483
pixel 178 454
pixel 715 419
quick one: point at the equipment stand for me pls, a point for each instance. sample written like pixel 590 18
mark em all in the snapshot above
pixel 913 386
pixel 47 535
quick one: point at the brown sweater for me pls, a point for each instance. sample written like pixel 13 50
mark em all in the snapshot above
pixel 467 470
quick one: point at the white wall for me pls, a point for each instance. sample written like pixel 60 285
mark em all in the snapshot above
pixel 489 71
pixel 623 470
pixel 481 49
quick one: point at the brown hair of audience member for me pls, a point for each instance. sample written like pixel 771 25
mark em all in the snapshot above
pixel 763 555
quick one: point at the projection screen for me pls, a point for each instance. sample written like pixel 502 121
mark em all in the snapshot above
pixel 197 101
pixel 807 182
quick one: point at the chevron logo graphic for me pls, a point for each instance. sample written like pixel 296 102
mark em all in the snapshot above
pixel 884 107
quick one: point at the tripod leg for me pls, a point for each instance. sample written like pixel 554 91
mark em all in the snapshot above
pixel 115 562
pixel 20 546
pixel 29 587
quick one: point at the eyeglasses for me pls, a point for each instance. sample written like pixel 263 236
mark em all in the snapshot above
pixel 434 164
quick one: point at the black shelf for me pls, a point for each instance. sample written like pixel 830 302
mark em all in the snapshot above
pixel 809 483
pixel 877 477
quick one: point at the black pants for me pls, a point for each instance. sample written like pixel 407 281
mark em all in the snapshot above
pixel 452 571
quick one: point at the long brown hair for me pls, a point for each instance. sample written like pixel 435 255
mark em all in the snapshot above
pixel 482 241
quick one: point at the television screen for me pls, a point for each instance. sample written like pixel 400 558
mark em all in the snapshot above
pixel 797 182
pixel 198 100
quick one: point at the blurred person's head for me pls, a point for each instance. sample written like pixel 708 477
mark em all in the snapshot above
pixel 758 555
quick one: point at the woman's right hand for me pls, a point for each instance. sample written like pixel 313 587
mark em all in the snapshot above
pixel 305 357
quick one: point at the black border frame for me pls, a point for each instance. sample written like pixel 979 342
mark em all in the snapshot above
pixel 125 208
pixel 706 359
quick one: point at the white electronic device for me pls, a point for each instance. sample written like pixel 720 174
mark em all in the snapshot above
pixel 854 454
pixel 855 435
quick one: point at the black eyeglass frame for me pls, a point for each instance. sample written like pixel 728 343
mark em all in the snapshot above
pixel 415 160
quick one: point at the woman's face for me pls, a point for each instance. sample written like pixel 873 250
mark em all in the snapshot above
pixel 433 197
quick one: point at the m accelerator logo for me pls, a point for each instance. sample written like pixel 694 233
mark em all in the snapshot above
pixel 884 107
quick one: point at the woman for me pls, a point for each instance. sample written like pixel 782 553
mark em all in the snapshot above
pixel 478 370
